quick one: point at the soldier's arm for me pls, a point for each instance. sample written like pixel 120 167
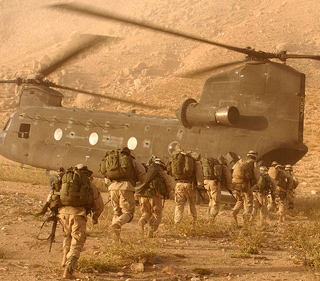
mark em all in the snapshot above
pixel 140 170
pixel 199 174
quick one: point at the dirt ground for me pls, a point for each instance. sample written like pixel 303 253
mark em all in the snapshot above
pixel 24 257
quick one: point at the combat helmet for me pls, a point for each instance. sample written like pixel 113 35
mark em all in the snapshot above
pixel 289 168
pixel 252 154
pixel 159 161
pixel 263 169
pixel 274 163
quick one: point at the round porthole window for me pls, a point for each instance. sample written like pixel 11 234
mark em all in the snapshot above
pixel 93 139
pixel 58 134
pixel 132 143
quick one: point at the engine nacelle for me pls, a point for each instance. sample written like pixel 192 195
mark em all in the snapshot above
pixel 191 114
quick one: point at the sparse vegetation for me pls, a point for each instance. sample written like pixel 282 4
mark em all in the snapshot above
pixel 118 255
pixel 202 271
pixel 304 242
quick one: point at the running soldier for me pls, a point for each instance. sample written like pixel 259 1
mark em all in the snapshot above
pixel 124 171
pixel 283 182
pixel 261 190
pixel 245 176
pixel 215 174
pixel 187 171
pixel 72 198
pixel 153 193
pixel 290 193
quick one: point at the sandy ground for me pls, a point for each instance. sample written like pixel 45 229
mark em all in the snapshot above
pixel 26 258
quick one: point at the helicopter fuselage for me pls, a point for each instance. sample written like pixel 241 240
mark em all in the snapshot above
pixel 269 97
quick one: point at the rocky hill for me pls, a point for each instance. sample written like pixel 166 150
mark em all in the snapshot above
pixel 144 65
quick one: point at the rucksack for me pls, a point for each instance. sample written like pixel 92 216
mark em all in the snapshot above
pixel 243 169
pixel 75 189
pixel 117 165
pixel 264 184
pixel 158 183
pixel 182 166
pixel 212 168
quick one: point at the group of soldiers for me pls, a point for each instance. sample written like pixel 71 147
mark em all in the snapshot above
pixel 132 184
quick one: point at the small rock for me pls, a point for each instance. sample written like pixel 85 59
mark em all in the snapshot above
pixel 137 267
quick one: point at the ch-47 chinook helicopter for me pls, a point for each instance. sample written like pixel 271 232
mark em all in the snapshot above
pixel 258 105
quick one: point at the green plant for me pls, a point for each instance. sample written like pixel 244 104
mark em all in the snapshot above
pixel 202 271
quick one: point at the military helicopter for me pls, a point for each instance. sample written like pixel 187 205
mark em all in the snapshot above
pixel 258 105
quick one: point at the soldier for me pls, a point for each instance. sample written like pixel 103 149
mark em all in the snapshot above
pixel 260 194
pixel 272 172
pixel 292 188
pixel 72 198
pixel 187 171
pixel 282 183
pixel 153 193
pixel 244 177
pixel 124 171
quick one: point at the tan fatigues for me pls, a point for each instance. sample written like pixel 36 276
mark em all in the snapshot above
pixel 290 191
pixel 186 192
pixel 214 191
pixel 122 197
pixel 260 201
pixel 73 221
pixel 243 192
pixel 151 207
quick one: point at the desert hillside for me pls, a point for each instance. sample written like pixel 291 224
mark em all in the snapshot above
pixel 144 65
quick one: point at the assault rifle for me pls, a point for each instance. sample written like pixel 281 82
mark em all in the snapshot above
pixel 53 217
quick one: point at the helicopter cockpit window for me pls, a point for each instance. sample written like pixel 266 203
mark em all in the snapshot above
pixel 24 131
pixel 93 139
pixel 174 146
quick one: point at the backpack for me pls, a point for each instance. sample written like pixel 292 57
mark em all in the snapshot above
pixel 182 166
pixel 117 165
pixel 263 185
pixel 243 169
pixel 158 183
pixel 75 189
pixel 212 168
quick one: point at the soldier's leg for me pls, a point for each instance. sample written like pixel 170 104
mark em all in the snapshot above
pixel 156 215
pixel 79 235
pixel 64 221
pixel 146 214
pixel 191 198
pixel 215 195
pixel 264 209
pixel 248 204
pixel 238 206
pixel 256 206
pixel 127 205
pixel 115 202
pixel 180 201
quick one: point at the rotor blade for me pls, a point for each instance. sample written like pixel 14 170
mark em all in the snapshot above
pixel 108 97
pixel 88 42
pixel 294 56
pixel 97 13
pixel 200 71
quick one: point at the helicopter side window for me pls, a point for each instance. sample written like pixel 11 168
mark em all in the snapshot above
pixel 24 131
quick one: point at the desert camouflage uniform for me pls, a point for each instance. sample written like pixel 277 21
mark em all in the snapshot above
pixel 151 205
pixel 214 191
pixel 186 192
pixel 122 199
pixel 243 191
pixel 73 221
pixel 283 182
pixel 260 197
pixel 292 187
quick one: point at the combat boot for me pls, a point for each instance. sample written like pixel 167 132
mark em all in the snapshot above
pixel 116 232
pixel 71 265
